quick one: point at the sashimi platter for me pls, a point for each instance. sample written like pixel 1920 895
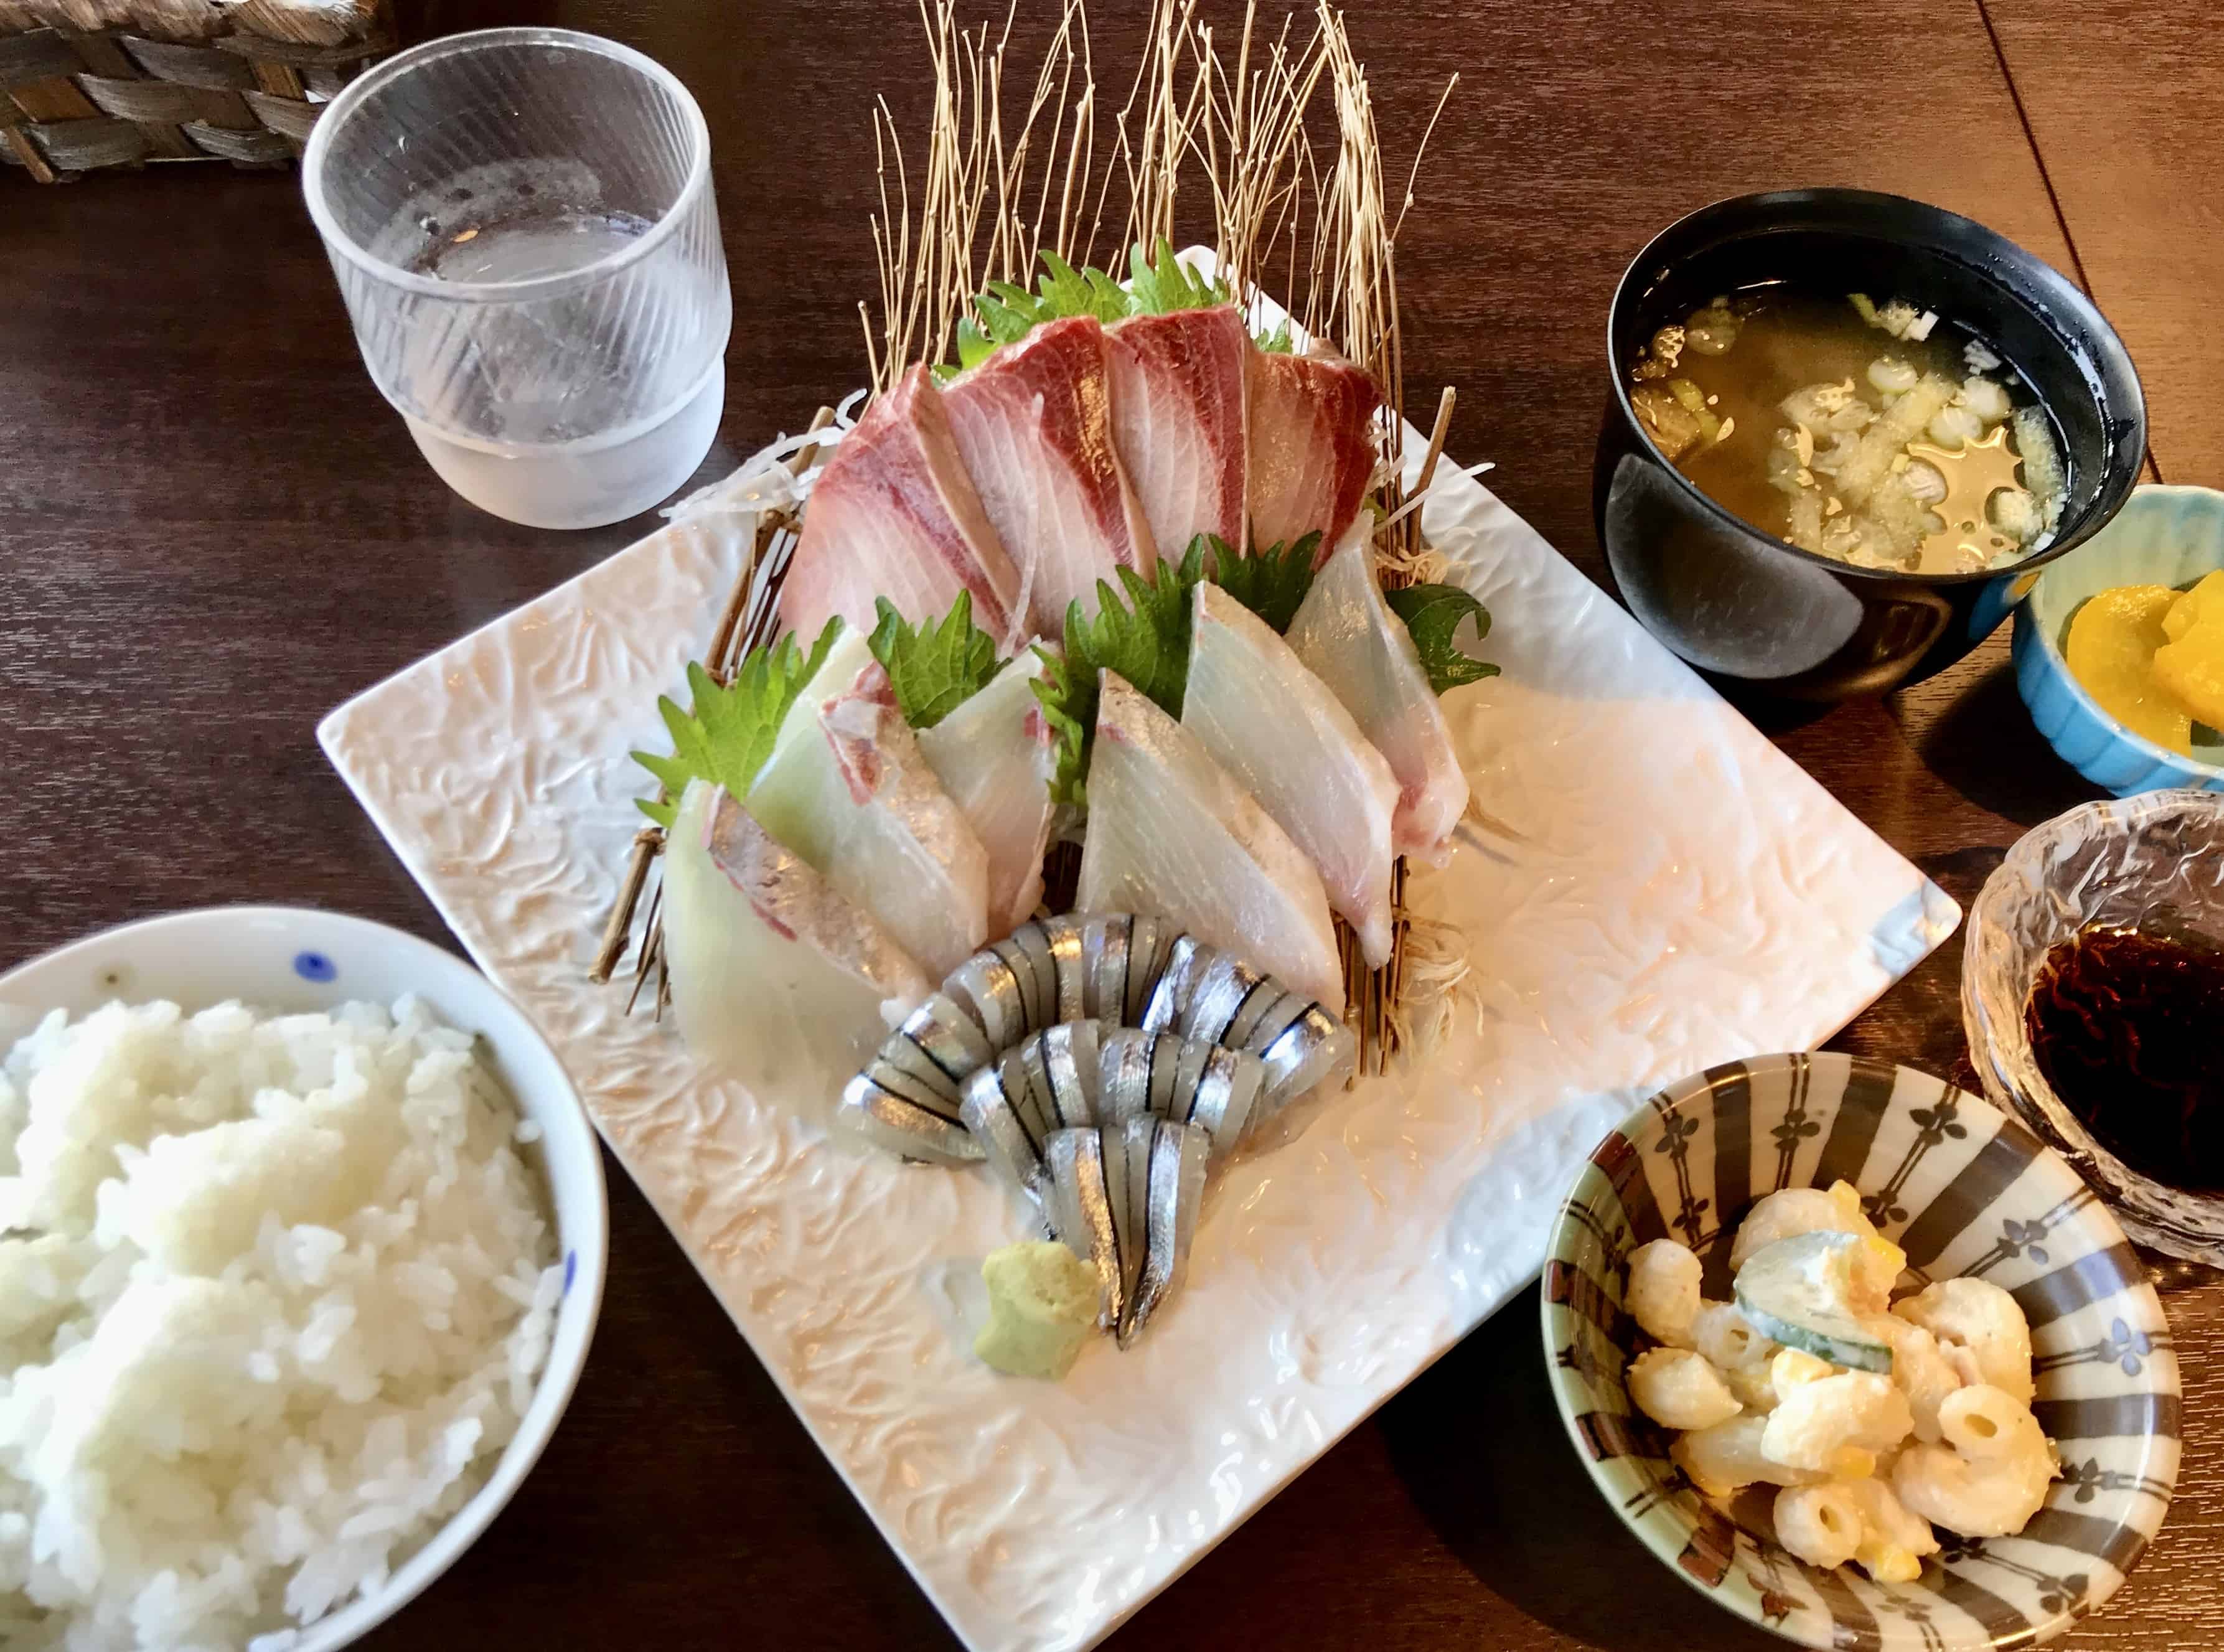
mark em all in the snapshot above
pixel 1104 886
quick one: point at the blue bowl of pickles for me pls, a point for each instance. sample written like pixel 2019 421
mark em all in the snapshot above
pixel 2120 647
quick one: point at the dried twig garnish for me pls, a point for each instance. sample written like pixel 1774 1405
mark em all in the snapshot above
pixel 1280 144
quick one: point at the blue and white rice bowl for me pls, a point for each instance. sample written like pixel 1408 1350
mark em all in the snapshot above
pixel 1966 1191
pixel 289 961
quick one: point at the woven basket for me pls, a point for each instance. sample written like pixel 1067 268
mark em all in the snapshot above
pixel 89 84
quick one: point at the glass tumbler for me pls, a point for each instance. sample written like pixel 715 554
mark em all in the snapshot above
pixel 523 229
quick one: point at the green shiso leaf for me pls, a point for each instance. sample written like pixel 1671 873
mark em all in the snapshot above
pixel 935 667
pixel 1142 631
pixel 728 735
pixel 1433 614
pixel 1270 583
pixel 1160 284
pixel 1163 283
pixel 1144 637
pixel 1068 291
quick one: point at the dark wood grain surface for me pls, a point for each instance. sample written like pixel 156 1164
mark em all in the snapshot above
pixel 213 530
pixel 2121 98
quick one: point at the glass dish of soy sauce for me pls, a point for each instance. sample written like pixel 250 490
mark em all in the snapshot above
pixel 2093 993
pixel 2128 1029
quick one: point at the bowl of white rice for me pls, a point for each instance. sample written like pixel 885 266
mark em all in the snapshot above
pixel 302 1240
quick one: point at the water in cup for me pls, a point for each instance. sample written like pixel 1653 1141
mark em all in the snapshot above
pixel 540 291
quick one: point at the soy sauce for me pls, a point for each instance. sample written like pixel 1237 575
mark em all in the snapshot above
pixel 2129 1029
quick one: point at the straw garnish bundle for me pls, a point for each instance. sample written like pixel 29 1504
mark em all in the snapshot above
pixel 1233 144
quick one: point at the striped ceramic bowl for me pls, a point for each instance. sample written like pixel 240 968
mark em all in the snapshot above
pixel 1964 1189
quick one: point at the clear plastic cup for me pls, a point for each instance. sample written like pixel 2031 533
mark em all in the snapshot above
pixel 523 229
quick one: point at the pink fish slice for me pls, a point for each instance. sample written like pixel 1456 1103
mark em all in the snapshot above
pixel 1033 424
pixel 1312 444
pixel 1178 421
pixel 894 514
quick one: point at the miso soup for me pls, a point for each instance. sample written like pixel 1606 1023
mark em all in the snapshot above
pixel 1878 434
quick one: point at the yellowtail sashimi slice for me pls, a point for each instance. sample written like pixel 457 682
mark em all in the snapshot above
pixel 1171 833
pixel 1310 421
pixel 1346 635
pixel 894 514
pixel 995 756
pixel 775 977
pixel 860 803
pixel 1034 426
pixel 1178 402
pixel 1286 739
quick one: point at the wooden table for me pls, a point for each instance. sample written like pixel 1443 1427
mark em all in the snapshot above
pixel 214 530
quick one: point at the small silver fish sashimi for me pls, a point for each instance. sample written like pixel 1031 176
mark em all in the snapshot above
pixel 1147 1022
pixel 1069 967
pixel 1302 1050
pixel 1081 1074
pixel 1170 996
pixel 1053 970
pixel 1047 1084
pixel 1053 1076
pixel 1165 1168
pixel 1005 1125
pixel 1218 994
pixel 1079 1206
pixel 940 1036
pixel 1124 1197
pixel 1208 994
pixel 1122 954
pixel 1183 1080
pixel 988 988
pixel 1032 943
pixel 905 1120
pixel 1104 941
pixel 1068 1056
pixel 1034 998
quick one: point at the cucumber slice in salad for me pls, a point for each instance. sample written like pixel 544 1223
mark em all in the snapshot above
pixel 1794 1291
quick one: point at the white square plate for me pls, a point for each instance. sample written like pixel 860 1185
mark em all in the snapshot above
pixel 1675 893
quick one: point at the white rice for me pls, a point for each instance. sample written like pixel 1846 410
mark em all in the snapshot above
pixel 273 1294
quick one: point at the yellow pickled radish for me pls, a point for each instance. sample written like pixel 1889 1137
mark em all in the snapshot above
pixel 2111 650
pixel 2204 601
pixel 2191 665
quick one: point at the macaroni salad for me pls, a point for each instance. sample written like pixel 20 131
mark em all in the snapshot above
pixel 1879 1419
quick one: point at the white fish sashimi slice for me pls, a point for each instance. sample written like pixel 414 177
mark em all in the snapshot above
pixel 894 514
pixel 1310 445
pixel 775 977
pixel 785 786
pixel 1171 833
pixel 1177 418
pixel 1034 426
pixel 1281 734
pixel 860 803
pixel 1346 635
pixel 995 756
